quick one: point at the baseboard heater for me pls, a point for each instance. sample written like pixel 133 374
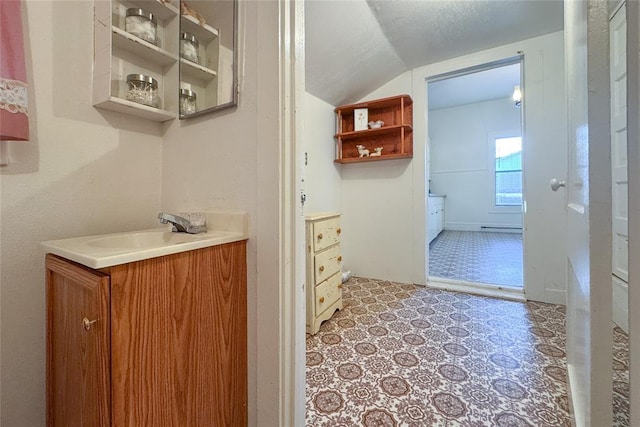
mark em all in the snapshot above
pixel 501 228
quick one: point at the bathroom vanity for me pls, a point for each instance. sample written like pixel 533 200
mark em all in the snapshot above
pixel 157 341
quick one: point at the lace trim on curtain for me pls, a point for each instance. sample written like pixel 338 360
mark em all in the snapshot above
pixel 13 96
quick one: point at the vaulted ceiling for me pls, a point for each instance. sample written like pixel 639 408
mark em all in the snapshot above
pixel 355 46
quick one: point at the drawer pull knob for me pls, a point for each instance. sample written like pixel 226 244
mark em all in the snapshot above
pixel 320 236
pixel 340 258
pixel 321 268
pixel 86 323
pixel 339 230
pixel 321 300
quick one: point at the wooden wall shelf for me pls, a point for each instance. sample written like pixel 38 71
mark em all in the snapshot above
pixel 395 136
pixel 373 159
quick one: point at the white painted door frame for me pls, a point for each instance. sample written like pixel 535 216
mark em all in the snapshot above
pixel 633 158
pixel 292 361
pixel 619 181
pixel 544 125
pixel 463 285
pixel 588 187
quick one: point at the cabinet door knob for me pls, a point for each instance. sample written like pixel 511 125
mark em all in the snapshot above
pixel 86 323
pixel 320 236
pixel 340 286
pixel 321 300
pixel 340 258
pixel 339 230
pixel 321 268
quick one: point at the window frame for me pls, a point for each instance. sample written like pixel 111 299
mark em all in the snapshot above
pixel 491 142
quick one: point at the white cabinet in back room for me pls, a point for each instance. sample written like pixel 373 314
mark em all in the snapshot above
pixel 436 215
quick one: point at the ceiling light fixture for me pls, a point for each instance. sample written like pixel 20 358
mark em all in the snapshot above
pixel 517 95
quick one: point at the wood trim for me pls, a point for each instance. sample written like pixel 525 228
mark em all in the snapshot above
pixel 368 133
pixel 374 159
pixel 77 363
pixel 81 274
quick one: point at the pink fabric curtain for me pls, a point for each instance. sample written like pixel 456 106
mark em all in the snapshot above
pixel 14 117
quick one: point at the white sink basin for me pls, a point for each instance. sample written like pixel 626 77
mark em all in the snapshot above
pixel 146 239
pixel 121 248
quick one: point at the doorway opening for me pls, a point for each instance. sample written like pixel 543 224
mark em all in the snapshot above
pixel 475 181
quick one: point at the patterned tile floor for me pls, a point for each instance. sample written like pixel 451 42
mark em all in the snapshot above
pixel 620 378
pixel 477 256
pixel 405 355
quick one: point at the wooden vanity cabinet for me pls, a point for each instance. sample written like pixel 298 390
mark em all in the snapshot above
pixel 78 360
pixel 168 346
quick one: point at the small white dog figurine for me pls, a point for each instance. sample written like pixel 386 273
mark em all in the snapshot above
pixel 378 152
pixel 362 151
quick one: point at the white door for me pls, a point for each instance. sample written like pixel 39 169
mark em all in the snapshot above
pixel 589 332
pixel 633 150
pixel 619 182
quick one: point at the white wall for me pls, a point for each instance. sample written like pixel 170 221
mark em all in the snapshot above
pixel 383 202
pixel 322 179
pixel 377 218
pixel 88 171
pixel 85 171
pixel 460 160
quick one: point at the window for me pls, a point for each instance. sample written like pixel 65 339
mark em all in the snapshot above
pixel 508 171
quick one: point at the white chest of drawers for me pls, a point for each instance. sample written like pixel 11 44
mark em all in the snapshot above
pixel 324 268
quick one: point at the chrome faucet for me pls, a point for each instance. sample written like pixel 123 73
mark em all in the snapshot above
pixel 181 224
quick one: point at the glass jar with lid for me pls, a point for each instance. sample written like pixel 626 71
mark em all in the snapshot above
pixel 143 90
pixel 189 47
pixel 142 24
pixel 187 102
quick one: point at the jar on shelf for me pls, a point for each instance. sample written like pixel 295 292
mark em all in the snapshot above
pixel 143 90
pixel 142 24
pixel 187 102
pixel 189 47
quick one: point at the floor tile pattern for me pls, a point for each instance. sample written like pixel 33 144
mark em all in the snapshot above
pixel 477 256
pixel 405 355
pixel 620 378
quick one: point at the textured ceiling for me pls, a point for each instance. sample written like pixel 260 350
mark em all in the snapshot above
pixel 355 46
pixel 347 54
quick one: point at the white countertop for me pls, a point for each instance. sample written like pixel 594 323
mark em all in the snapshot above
pixel 107 250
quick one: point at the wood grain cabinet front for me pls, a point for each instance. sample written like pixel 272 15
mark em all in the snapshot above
pixel 168 346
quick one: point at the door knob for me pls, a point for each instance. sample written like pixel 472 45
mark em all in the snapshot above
pixel 555 184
